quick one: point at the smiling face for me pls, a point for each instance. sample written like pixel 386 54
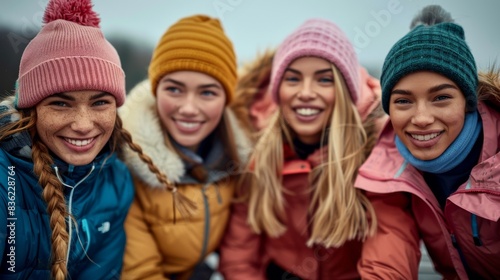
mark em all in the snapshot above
pixel 190 105
pixel 75 126
pixel 307 96
pixel 427 111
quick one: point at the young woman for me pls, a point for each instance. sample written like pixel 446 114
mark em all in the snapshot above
pixel 299 214
pixel 180 117
pixel 64 194
pixel 434 174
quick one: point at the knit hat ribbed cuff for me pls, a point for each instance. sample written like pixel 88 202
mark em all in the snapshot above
pixel 318 38
pixel 186 64
pixel 71 74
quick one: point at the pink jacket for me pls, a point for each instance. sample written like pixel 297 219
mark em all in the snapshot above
pixel 408 212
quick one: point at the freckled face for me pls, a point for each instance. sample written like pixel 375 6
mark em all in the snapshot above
pixel 190 105
pixel 307 96
pixel 427 111
pixel 75 126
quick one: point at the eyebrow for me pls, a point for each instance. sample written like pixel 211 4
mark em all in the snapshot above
pixel 65 96
pixel 62 95
pixel 99 95
pixel 172 81
pixel 183 85
pixel 441 87
pixel 431 90
pixel 315 73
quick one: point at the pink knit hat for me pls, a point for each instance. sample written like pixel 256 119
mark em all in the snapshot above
pixel 69 53
pixel 319 38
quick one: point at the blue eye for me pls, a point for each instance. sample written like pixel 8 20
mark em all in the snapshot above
pixel 208 93
pixel 59 103
pixel 402 101
pixel 100 102
pixel 291 79
pixel 173 89
pixel 442 97
pixel 326 80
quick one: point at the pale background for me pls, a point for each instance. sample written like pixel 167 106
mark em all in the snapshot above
pixel 254 25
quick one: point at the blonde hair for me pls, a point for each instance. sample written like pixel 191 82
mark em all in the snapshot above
pixel 53 190
pixel 339 211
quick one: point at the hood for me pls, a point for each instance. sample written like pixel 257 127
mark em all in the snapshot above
pixel 370 94
pixel 140 118
pixel 249 104
pixel 18 144
pixel 489 88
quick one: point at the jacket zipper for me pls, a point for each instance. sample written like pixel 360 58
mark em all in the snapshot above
pixel 207 223
pixel 70 204
pixel 85 227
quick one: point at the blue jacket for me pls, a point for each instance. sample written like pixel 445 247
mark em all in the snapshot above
pixel 97 195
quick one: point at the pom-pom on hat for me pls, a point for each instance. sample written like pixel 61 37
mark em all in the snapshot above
pixel 195 43
pixel 69 53
pixel 433 45
pixel 319 38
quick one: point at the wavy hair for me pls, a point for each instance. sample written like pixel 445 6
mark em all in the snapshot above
pixel 339 212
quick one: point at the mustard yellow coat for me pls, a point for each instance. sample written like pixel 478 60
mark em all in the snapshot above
pixel 156 247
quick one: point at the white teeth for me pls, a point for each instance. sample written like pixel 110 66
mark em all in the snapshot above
pixel 79 143
pixel 424 137
pixel 307 111
pixel 188 124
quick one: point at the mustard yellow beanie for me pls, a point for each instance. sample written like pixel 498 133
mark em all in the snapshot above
pixel 196 43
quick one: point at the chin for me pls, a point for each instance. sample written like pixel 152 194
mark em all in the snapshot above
pixel 80 160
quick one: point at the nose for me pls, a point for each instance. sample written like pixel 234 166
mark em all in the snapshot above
pixel 423 116
pixel 83 121
pixel 189 106
pixel 306 92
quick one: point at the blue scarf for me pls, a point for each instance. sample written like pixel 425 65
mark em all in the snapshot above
pixel 454 154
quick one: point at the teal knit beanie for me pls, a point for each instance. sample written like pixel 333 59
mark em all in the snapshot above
pixel 439 48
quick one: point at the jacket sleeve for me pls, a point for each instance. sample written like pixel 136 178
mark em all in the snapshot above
pixel 393 252
pixel 241 256
pixel 6 204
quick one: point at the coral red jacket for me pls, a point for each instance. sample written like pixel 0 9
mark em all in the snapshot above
pixel 408 212
pixel 245 255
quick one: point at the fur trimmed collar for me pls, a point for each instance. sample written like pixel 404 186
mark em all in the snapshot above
pixel 142 121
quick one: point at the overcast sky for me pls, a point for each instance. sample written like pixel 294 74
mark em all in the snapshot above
pixel 254 25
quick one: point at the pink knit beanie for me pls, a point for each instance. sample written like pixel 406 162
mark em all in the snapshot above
pixel 319 38
pixel 69 53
